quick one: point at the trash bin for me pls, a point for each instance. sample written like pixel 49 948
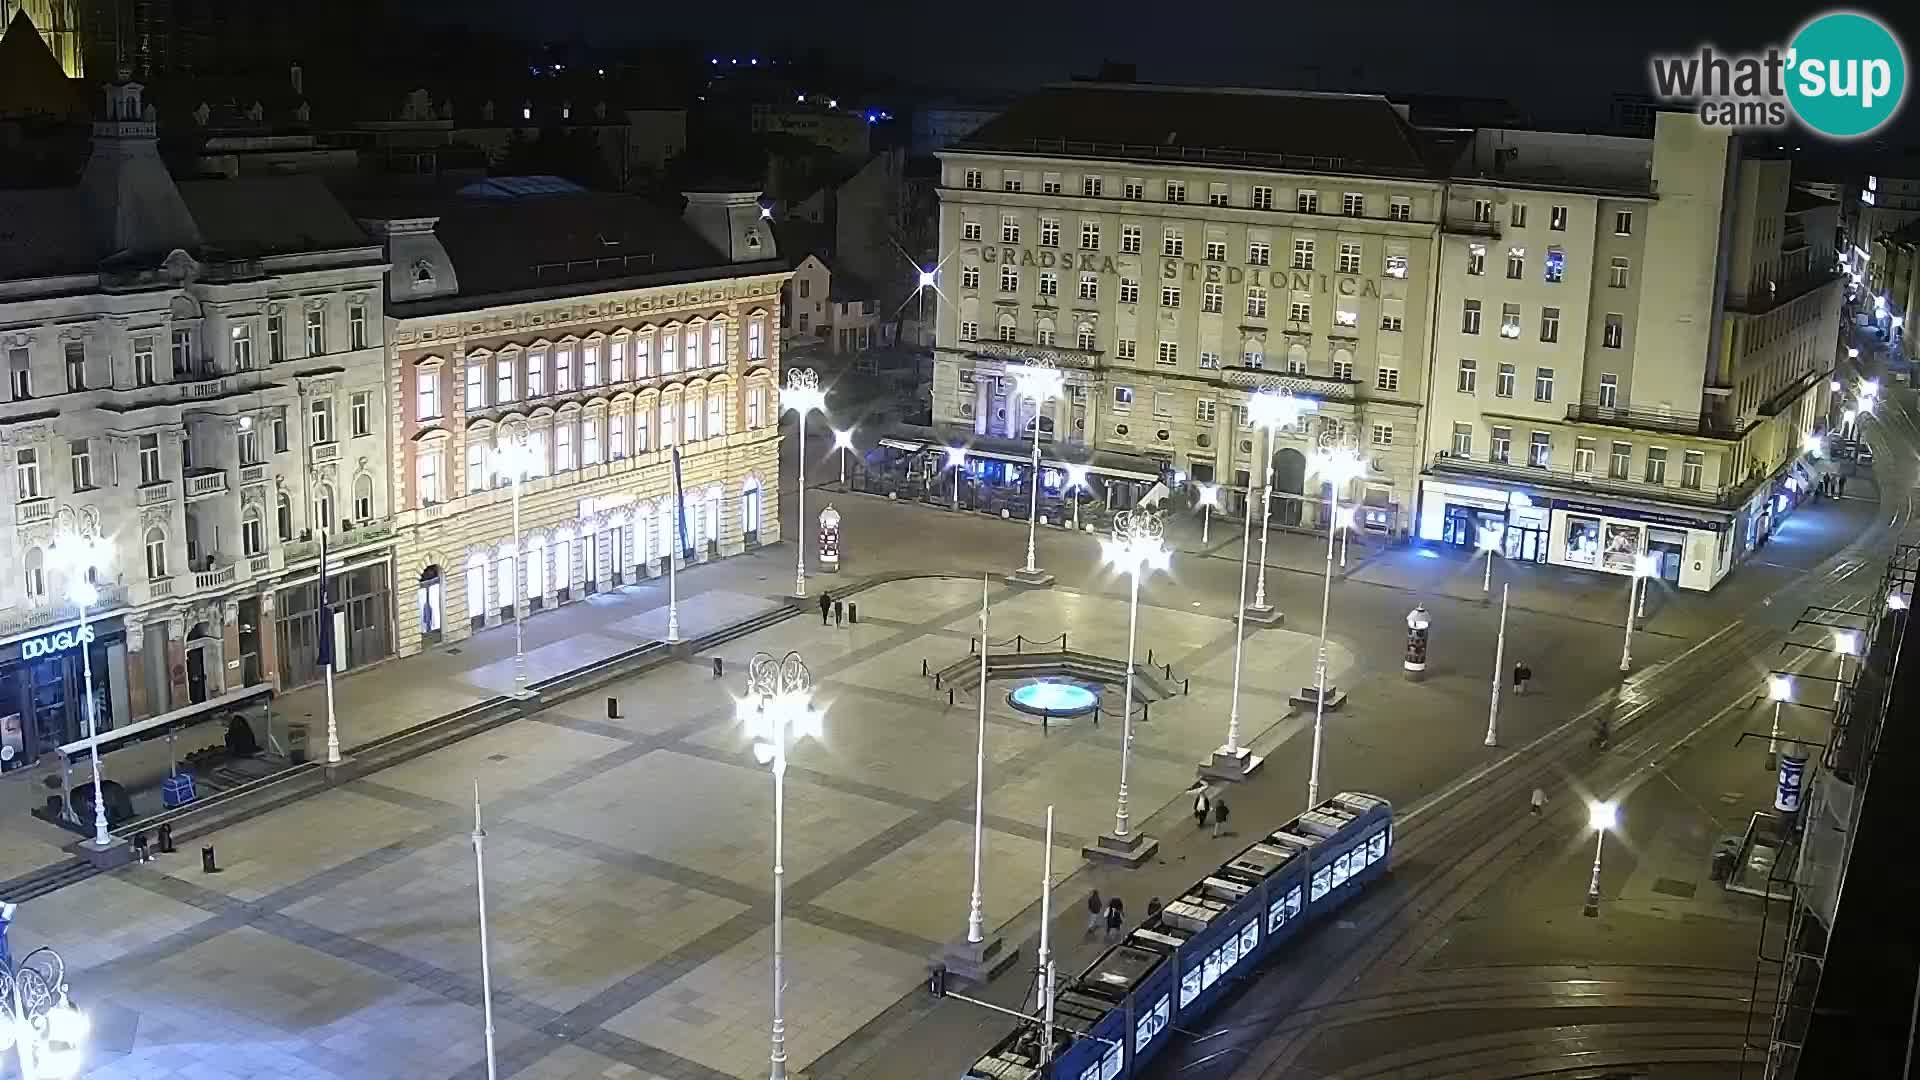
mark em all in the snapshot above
pixel 297 744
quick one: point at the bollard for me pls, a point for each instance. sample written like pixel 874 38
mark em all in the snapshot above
pixel 613 707
pixel 1186 685
pixel 1169 670
pixel 1044 717
pixel 719 668
pixel 206 860
pixel 923 667
pixel 1149 657
pixel 973 645
pixel 166 839
pixel 936 682
pixel 853 612
pixel 1019 643
pixel 949 697
pixel 1146 711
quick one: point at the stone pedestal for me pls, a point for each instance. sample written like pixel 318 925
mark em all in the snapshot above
pixel 978 962
pixel 116 853
pixel 1265 616
pixel 1235 766
pixel 1132 852
pixel 1038 579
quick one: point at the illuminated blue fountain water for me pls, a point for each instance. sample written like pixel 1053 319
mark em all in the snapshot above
pixel 1054 699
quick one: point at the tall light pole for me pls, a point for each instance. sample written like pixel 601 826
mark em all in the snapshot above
pixel 1779 691
pixel 803 395
pixel 36 1018
pixel 1270 410
pixel 1644 566
pixel 1499 665
pixel 486 960
pixel 843 442
pixel 79 558
pixel 1845 643
pixel 1601 817
pixel 516 460
pixel 976 917
pixel 956 460
pixel 1076 481
pixel 778 707
pixel 1209 497
pixel 1043 968
pixel 1038 382
pixel 1137 547
pixel 1338 466
pixel 1232 761
pixel 1489 543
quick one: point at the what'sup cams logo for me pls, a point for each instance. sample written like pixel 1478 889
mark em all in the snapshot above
pixel 1843 76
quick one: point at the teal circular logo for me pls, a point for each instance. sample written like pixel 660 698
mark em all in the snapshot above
pixel 1846 74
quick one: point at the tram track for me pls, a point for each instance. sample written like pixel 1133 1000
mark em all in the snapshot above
pixel 1560 1051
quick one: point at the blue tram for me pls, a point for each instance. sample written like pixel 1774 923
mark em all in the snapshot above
pixel 1120 1012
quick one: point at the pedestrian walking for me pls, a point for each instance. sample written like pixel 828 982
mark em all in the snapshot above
pixel 1201 807
pixel 1095 909
pixel 1539 800
pixel 1522 675
pixel 1220 818
pixel 1116 917
pixel 839 613
pixel 826 607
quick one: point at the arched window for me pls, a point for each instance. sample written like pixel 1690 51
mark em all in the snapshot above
pixel 36 563
pixel 156 553
pixel 283 516
pixel 363 498
pixel 253 531
pixel 323 507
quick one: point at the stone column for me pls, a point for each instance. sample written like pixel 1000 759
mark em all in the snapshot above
pixel 229 678
pixel 269 634
pixel 137 704
pixel 176 662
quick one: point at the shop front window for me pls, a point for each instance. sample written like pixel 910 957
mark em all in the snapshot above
pixel 1583 541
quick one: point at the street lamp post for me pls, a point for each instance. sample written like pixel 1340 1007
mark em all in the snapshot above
pixel 1269 411
pixel 1232 761
pixel 79 559
pixel 1209 498
pixel 1345 518
pixel 1076 482
pixel 36 1018
pixel 778 707
pixel 1039 382
pixel 516 460
pixel 956 461
pixel 1499 665
pixel 1601 816
pixel 1644 566
pixel 486 960
pixel 803 395
pixel 1845 643
pixel 1338 465
pixel 1779 691
pixel 843 442
pixel 1136 547
pixel 1489 543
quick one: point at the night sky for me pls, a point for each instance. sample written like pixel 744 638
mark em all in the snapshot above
pixel 1554 58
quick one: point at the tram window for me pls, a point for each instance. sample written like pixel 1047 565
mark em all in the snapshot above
pixel 1322 881
pixel 1277 915
pixel 1162 1013
pixel 1153 1023
pixel 1377 846
pixel 1110 1066
pixel 1293 902
pixel 1189 986
pixel 1142 1033
pixel 1339 869
pixel 1249 937
pixel 1230 953
pixel 1092 1073
pixel 1211 970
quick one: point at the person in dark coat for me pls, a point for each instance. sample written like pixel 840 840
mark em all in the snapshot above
pixel 826 608
pixel 1116 917
pixel 1153 908
pixel 839 612
pixel 1094 912
pixel 1522 675
pixel 1201 807
pixel 1219 816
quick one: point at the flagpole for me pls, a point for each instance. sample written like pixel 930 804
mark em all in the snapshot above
pixel 673 549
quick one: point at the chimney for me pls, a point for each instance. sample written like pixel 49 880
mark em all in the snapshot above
pixel 299 80
pixel 734 223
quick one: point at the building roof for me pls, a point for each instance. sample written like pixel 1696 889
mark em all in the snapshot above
pixel 1799 201
pixel 31 80
pixel 1353 133
pixel 46 233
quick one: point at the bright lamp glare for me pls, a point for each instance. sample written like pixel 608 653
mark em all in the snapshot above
pixel 1845 642
pixel 1345 517
pixel 843 440
pixel 1646 566
pixel 1209 494
pixel 1896 602
pixel 956 456
pixel 926 279
pixel 1076 476
pixel 1779 688
pixel 1603 816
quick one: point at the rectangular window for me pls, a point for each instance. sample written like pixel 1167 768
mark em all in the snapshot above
pixel 1609 391
pixel 1216 194
pixel 1170 296
pixel 1050 184
pixel 1173 244
pixel 1129 239
pixel 1254 357
pixel 144 373
pixel 1213 298
pixel 617 361
pixel 1550 324
pixel 357 326
pixel 1344 315
pixel 1470 317
pixel 643 357
pixel 1169 352
pixel 969 331
pixel 476 385
pixel 1216 251
pixel 476 466
pixel 1009 278
pixel 20 373
pixel 1483 211
pixel 590 362
pixel 1509 320
pixel 1517 214
pixel 276 338
pixel 1620 461
pixel 1556 265
pixel 1656 464
pixel 1163 405
pixel 1042 335
pixel 1476 259
pixel 1618 270
pixel 1353 204
pixel 1463 440
pixel 1090 186
pixel 1303 254
pixel 536 373
pixel 562 446
pixel 1049 283
pixel 757 338
pixel 1395 263
pixel 1210 361
pixel 1122 398
pixel 1349 258
pixel 1583 453
pixel 1090 235
pixel 1011 181
pixel 428 471
pixel 617 435
pixel 1543 384
pixel 503 380
pixel 1383 434
pixel 1084 339
pixel 1612 333
pixel 150 472
pixel 1126 348
pixel 970 230
pixel 1299 311
pixel 1623 223
pixel 1540 450
pixel 1262 198
pixel 249 445
pixel 1516 263
pixel 1204 411
pixel 969 279
pixel 1008 332
pixel 1500 446
pixel 316 332
pixel 1692 465
pixel 1256 302
pixel 320 421
pixel 973 180
pixel 26 473
pixel 76 356
pixel 240 347
pixel 1306 202
pixel 1386 378
pixel 360 412
pixel 1176 191
pixel 1400 208
pixel 1342 369
pixel 1557 219
pixel 1503 381
pixel 426 396
pixel 1050 232
pixel 1129 291
pixel 1391 323
pixel 642 430
pixel 1009 230
pixel 669 424
pixel 1135 189
pixel 1260 253
pixel 280 440
pixel 1469 378
pixel 1089 286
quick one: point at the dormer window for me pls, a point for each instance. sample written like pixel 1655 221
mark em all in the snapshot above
pixel 753 239
pixel 422 274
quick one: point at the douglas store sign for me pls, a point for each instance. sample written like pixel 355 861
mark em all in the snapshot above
pixel 57 642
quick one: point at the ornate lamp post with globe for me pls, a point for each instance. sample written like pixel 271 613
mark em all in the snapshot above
pixel 36 1018
pixel 1339 464
pixel 1270 411
pixel 79 559
pixel 1138 546
pixel 1040 382
pixel 803 395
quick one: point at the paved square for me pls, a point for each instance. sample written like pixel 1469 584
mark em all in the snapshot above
pixel 269 852
pixel 503 760
pixel 923 888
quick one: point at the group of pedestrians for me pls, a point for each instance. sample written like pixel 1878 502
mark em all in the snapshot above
pixel 831 607
pixel 1216 808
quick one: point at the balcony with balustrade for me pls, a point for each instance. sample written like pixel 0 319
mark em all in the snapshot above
pixel 202 482
pixel 1666 421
